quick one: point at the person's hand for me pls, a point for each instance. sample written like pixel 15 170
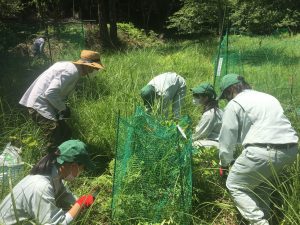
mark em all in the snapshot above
pixel 223 171
pixel 85 201
pixel 65 114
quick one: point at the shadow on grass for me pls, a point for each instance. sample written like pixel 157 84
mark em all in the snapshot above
pixel 101 161
pixel 263 55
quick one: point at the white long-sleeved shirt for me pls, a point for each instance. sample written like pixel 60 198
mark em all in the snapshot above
pixel 164 81
pixel 38 45
pixel 253 117
pixel 170 86
pixel 47 94
pixel 39 198
pixel 209 125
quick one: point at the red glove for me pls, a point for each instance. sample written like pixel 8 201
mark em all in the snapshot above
pixel 85 201
pixel 223 171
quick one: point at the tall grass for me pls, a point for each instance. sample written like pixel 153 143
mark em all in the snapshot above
pixel 270 64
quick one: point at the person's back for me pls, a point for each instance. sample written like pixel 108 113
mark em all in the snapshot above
pixel 61 74
pixel 23 199
pixel 166 87
pixel 162 82
pixel 267 122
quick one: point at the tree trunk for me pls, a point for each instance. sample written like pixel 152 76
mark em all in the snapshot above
pixel 113 21
pixel 104 36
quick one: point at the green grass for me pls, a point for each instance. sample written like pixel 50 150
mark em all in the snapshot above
pixel 270 64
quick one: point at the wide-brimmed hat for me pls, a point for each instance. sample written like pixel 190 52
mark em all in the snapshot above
pixel 227 81
pixel 74 151
pixel 204 89
pixel 90 58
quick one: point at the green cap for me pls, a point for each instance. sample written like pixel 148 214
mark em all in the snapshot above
pixel 74 151
pixel 148 94
pixel 227 81
pixel 205 89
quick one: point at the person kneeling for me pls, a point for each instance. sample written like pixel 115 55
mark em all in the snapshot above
pixel 41 196
pixel 207 130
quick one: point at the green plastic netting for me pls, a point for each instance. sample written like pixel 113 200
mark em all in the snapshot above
pixel 153 176
pixel 227 61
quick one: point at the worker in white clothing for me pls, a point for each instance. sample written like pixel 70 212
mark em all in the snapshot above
pixel 256 120
pixel 41 197
pixel 46 96
pixel 208 129
pixel 38 46
pixel 167 87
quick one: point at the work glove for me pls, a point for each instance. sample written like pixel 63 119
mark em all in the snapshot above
pixel 85 201
pixel 64 114
pixel 223 171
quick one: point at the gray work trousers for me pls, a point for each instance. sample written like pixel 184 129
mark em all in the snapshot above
pixel 249 174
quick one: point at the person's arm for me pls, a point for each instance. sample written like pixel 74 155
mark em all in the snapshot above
pixel 44 207
pixel 228 135
pixel 58 86
pixel 204 127
pixel 81 203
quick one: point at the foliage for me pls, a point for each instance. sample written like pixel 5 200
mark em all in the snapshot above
pixel 198 16
pixel 257 17
pixel 263 17
pixel 47 8
pixel 10 8
pixel 152 179
pixel 134 37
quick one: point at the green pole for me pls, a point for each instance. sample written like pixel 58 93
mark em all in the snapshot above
pixel 219 49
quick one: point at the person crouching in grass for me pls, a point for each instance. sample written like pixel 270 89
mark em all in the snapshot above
pixel 41 196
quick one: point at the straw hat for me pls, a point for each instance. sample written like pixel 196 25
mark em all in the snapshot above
pixel 90 58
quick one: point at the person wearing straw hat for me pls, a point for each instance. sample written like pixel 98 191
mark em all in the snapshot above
pixel 256 120
pixel 42 196
pixel 165 87
pixel 45 98
pixel 207 130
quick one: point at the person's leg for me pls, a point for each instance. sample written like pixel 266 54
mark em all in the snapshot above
pixel 63 132
pixel 54 132
pixel 253 167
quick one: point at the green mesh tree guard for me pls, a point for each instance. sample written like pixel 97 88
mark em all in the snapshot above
pixel 227 61
pixel 153 176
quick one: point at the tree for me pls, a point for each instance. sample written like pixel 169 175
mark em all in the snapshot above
pixel 10 8
pixel 198 16
pixel 104 35
pixel 265 16
pixel 113 21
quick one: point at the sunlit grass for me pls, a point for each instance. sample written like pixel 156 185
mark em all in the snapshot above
pixel 269 64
